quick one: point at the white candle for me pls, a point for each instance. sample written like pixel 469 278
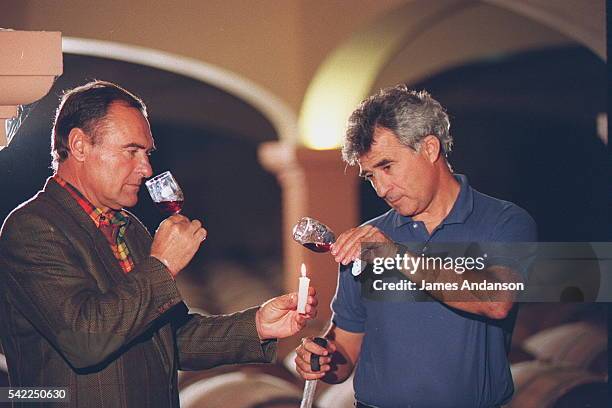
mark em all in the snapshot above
pixel 303 291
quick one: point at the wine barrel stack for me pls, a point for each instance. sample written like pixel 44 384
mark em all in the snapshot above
pixel 241 390
pixel 569 365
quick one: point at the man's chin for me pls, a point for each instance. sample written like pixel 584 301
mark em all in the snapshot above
pixel 404 212
pixel 396 206
pixel 129 202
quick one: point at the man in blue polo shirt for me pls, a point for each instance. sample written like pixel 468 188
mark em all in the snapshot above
pixel 450 351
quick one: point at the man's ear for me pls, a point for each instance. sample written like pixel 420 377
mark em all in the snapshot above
pixel 431 147
pixel 78 143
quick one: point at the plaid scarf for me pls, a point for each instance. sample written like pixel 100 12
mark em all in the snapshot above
pixel 111 223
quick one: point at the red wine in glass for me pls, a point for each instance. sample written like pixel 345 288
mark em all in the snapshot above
pixel 318 246
pixel 166 193
pixel 313 235
pixel 170 207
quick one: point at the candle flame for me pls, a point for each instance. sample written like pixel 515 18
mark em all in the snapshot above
pixel 303 270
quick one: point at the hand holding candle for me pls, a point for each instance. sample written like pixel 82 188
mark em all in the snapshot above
pixel 303 290
pixel 278 317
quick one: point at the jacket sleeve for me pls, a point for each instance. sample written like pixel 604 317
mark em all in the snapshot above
pixel 45 278
pixel 209 341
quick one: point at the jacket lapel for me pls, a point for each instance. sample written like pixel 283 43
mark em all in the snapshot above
pixel 76 218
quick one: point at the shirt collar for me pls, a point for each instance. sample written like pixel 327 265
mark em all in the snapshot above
pixel 97 215
pixel 462 208
pixel 464 204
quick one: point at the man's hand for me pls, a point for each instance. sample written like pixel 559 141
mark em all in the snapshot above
pixel 336 361
pixel 278 317
pixel 347 247
pixel 176 241
pixel 302 358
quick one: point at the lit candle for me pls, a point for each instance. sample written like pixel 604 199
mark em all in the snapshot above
pixel 303 291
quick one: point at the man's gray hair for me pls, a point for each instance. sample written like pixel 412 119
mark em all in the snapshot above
pixel 410 115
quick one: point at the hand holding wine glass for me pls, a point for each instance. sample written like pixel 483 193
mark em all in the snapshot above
pixel 318 237
pixel 177 239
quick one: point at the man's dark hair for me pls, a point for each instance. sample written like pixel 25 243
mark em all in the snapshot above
pixel 86 107
pixel 410 115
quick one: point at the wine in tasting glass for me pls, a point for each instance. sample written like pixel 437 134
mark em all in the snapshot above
pixel 166 193
pixel 313 234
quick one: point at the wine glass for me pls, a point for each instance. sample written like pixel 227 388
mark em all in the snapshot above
pixel 318 237
pixel 166 193
pixel 313 234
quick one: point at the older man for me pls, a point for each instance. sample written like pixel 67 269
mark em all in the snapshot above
pixel 449 351
pixel 89 300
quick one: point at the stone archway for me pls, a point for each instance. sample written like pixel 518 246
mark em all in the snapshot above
pixel 273 108
pixel 437 33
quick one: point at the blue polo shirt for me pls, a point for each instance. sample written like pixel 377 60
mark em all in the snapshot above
pixel 426 354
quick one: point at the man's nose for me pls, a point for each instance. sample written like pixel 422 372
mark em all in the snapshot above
pixel 145 168
pixel 382 188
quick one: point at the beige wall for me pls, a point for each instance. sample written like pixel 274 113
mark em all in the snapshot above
pixel 276 43
pixel 279 44
pixel 478 31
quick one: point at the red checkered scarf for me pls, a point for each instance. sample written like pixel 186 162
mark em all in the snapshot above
pixel 111 223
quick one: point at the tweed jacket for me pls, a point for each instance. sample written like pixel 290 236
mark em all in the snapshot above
pixel 70 317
